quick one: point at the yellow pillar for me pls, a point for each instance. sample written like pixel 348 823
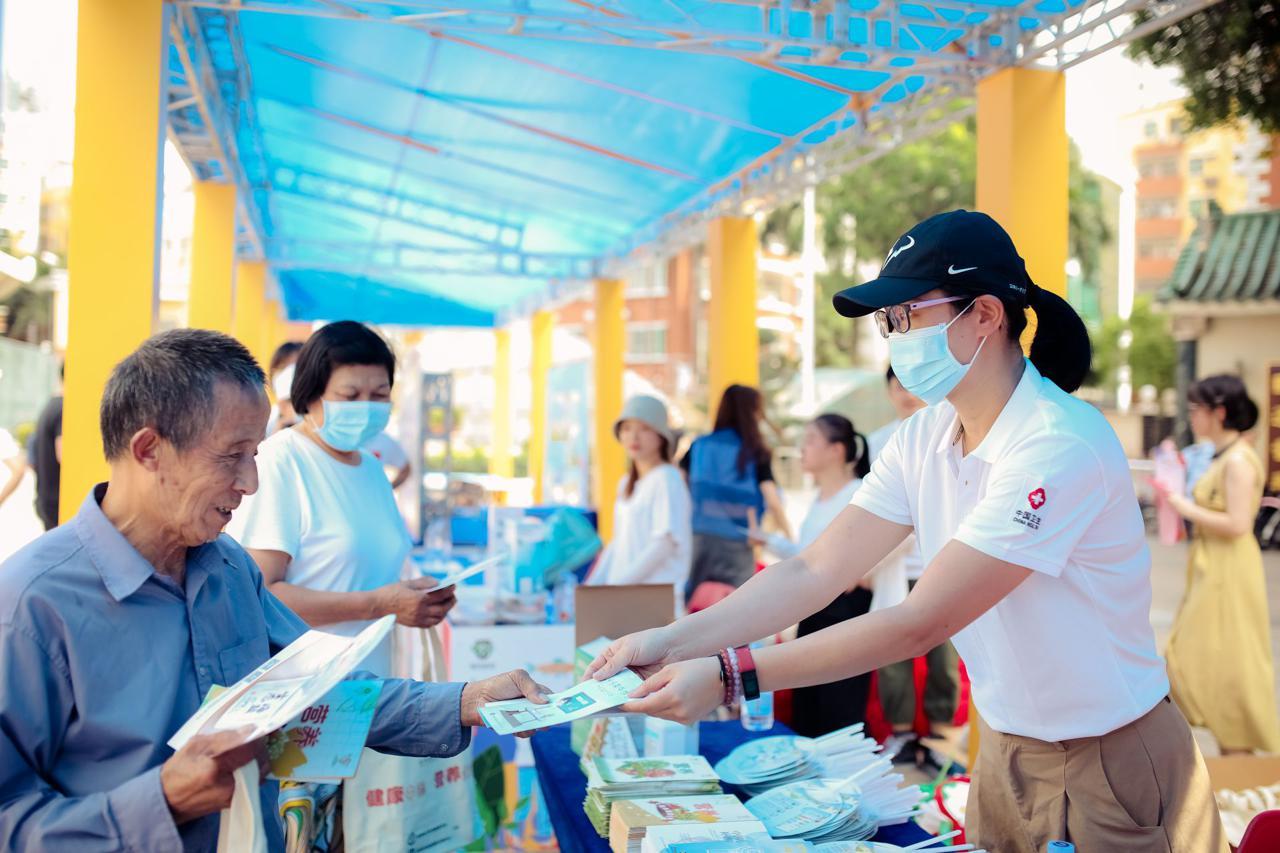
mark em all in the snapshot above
pixel 733 344
pixel 115 216
pixel 1022 166
pixel 1022 183
pixel 251 320
pixel 500 462
pixel 213 252
pixel 539 366
pixel 609 335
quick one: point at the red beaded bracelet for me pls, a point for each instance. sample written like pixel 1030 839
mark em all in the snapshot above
pixel 726 677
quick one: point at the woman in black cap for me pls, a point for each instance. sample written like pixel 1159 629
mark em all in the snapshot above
pixel 1037 567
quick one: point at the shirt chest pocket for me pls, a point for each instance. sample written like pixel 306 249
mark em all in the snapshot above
pixel 239 660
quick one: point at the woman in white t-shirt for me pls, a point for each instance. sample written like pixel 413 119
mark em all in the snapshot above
pixel 323 525
pixel 835 455
pixel 652 528
pixel 1036 564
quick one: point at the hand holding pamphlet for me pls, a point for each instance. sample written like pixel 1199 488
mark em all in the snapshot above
pixel 284 686
pixel 456 577
pixel 586 699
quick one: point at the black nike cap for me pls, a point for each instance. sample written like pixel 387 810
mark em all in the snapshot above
pixel 959 249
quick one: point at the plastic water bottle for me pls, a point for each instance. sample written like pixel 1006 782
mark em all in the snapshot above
pixel 1060 847
pixel 757 714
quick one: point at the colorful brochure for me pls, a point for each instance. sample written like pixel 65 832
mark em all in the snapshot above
pixel 284 686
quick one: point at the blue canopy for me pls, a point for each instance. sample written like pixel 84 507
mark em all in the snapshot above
pixel 435 163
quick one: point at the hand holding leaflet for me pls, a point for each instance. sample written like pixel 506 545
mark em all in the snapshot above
pixel 284 686
pixel 582 700
pixel 457 577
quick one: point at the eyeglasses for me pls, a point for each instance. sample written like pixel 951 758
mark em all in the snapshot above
pixel 897 318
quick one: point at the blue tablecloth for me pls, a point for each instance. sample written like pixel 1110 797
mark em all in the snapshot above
pixel 564 787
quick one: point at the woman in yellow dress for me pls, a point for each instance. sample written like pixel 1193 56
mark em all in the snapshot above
pixel 1219 654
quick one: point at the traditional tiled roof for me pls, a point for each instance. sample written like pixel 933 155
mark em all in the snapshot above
pixel 1229 258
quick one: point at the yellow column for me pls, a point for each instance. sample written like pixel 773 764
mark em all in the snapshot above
pixel 115 216
pixel 543 323
pixel 609 335
pixel 1022 184
pixel 251 320
pixel 213 252
pixel 733 345
pixel 500 462
pixel 1022 166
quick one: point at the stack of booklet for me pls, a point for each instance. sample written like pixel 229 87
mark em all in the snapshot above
pixel 612 779
pixel 630 819
pixel 716 838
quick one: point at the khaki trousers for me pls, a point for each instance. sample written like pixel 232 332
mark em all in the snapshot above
pixel 1142 788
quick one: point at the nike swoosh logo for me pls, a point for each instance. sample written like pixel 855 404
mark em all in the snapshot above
pixel 951 270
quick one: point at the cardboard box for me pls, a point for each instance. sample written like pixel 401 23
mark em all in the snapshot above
pixel 615 611
pixel 1242 772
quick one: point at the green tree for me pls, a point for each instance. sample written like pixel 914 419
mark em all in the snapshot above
pixel 1087 227
pixel 1229 56
pixel 864 211
pixel 1152 354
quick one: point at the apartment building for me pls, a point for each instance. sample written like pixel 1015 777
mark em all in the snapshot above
pixel 1181 174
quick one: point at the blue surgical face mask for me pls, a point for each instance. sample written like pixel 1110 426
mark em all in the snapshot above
pixel 923 362
pixel 351 424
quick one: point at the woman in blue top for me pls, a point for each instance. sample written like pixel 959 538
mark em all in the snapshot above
pixel 731 483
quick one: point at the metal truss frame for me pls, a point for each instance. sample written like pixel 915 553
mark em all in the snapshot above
pixel 781 177
pixel 394 259
pixel 203 121
pixel 825 33
pixel 979 40
pixel 481 229
pixel 1074 36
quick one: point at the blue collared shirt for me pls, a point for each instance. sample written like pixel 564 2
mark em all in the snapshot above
pixel 102 659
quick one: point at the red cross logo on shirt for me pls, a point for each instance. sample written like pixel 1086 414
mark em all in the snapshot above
pixel 1036 498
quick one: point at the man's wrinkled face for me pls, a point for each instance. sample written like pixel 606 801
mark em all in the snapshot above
pixel 199 487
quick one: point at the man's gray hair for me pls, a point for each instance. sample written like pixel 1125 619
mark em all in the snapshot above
pixel 168 383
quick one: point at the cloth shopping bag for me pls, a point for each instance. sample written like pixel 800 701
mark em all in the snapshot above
pixel 396 803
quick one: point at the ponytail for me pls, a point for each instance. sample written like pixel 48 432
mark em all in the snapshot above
pixel 862 460
pixel 839 430
pixel 1060 350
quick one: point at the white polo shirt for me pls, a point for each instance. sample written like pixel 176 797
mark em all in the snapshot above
pixel 1069 653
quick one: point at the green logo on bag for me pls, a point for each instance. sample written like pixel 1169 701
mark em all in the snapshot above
pixel 482 649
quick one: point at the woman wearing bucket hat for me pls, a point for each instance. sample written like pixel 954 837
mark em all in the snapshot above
pixel 1037 566
pixel 652 538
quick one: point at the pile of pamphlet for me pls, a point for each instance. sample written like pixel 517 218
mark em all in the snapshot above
pixel 694 840
pixel 815 810
pixel 610 780
pixel 868 789
pixel 630 820
pixel 764 763
pixel 716 838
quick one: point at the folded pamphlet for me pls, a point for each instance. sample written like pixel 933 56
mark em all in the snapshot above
pixel 284 686
pixel 631 819
pixel 586 699
pixel 324 743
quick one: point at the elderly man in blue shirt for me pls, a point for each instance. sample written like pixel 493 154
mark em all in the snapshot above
pixel 115 625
